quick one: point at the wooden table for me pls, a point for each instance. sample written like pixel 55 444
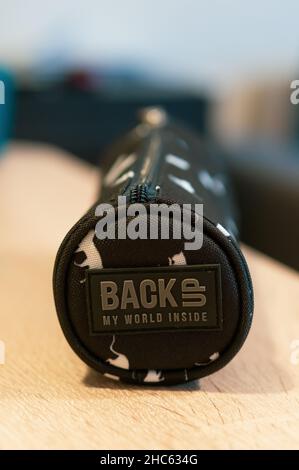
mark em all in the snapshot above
pixel 49 399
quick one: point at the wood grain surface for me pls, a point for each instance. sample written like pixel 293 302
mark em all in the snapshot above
pixel 50 400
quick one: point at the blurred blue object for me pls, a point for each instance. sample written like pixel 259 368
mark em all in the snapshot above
pixel 6 106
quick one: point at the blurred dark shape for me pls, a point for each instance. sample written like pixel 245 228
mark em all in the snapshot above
pixel 84 112
pixel 258 127
pixel 266 181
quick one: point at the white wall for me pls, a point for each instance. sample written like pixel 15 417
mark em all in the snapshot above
pixel 200 42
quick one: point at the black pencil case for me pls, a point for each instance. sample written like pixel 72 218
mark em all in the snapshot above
pixel 138 306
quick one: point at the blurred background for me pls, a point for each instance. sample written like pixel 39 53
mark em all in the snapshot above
pixel 75 73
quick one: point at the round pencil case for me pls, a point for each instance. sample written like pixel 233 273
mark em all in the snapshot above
pixel 150 284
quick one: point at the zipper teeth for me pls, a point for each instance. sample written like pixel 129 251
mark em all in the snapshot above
pixel 139 194
pixel 143 190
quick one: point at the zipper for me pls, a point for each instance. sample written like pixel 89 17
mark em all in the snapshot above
pixel 144 187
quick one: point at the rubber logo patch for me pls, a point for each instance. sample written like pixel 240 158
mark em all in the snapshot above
pixel 160 298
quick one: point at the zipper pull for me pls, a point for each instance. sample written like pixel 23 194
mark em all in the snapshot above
pixel 142 193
